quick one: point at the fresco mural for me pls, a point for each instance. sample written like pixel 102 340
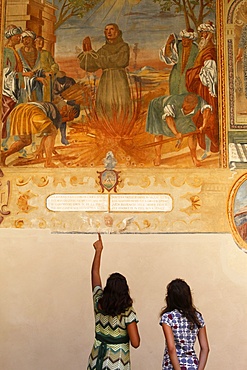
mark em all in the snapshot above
pixel 137 78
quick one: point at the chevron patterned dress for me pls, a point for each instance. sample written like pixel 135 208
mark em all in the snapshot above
pixel 111 345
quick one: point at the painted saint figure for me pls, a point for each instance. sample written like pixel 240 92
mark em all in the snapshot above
pixel 201 79
pixel 113 97
pixel 181 54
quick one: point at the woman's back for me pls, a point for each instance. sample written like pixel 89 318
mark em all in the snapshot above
pixel 182 324
pixel 111 330
pixel 184 338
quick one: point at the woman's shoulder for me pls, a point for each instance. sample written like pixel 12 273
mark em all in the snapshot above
pixel 130 315
pixel 171 314
pixel 129 309
pixel 200 318
pixel 97 291
pixel 170 317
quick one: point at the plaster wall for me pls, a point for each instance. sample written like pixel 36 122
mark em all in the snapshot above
pixel 46 313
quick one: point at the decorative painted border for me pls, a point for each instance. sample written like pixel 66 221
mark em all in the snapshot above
pixel 220 11
pixel 231 75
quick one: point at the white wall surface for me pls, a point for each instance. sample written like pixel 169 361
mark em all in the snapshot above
pixel 46 312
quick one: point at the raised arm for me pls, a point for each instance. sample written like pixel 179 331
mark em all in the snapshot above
pixel 95 271
pixel 169 42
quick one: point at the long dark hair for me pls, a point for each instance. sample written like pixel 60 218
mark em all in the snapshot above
pixel 179 297
pixel 116 298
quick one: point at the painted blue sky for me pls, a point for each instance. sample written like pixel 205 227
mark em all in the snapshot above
pixel 141 23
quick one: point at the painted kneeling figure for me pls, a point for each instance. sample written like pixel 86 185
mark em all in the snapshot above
pixel 32 118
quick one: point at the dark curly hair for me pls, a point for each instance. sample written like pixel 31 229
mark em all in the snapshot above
pixel 116 298
pixel 179 297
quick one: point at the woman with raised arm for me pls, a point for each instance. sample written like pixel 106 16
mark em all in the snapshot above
pixel 115 319
pixel 182 324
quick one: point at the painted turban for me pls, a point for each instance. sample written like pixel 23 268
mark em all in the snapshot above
pixel 207 27
pixel 188 34
pixel 13 31
pixel 29 33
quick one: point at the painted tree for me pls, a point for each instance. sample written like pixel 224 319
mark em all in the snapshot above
pixel 195 11
pixel 73 8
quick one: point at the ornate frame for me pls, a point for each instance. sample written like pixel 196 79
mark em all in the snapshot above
pixel 236 217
